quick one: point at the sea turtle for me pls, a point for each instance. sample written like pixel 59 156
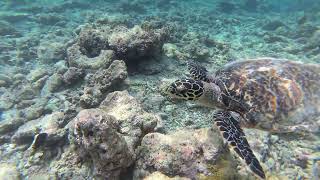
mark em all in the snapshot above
pixel 274 95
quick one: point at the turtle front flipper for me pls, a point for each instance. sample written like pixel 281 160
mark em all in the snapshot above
pixel 198 72
pixel 233 134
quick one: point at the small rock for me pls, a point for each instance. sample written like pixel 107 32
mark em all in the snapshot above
pixel 273 25
pixel 6 80
pixel 10 124
pixel 91 97
pixel 53 84
pixel 26 92
pixel 102 82
pixel 49 124
pixel 61 67
pixel 73 75
pixel 49 19
pixel 50 52
pixel 36 74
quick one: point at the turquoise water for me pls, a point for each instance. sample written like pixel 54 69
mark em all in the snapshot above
pixel 64 63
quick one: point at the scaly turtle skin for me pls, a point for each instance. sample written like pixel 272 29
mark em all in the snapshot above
pixel 274 95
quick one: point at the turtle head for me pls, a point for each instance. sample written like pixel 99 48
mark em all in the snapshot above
pixel 207 94
pixel 187 89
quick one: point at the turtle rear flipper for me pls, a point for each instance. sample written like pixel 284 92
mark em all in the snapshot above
pixel 198 72
pixel 236 139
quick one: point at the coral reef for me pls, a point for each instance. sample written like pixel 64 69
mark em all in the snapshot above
pixel 189 153
pixel 101 82
pixel 96 134
pixel 94 45
pixel 111 133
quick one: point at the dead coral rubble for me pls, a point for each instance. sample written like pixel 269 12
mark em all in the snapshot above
pixel 96 46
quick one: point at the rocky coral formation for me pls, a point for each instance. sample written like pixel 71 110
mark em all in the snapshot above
pixel 51 125
pixel 79 60
pixel 96 134
pixel 110 134
pixel 135 122
pixel 135 43
pixel 73 75
pixel 95 45
pixel 201 48
pixel 188 153
pixel 101 82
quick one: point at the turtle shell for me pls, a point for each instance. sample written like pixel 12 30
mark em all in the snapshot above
pixel 264 90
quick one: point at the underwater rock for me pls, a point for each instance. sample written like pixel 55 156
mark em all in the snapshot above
pixel 9 172
pixel 91 42
pixel 135 43
pixel 36 74
pixel 5 80
pixel 93 45
pixel 273 25
pixel 189 153
pixel 25 133
pixel 72 75
pixel 10 124
pixel 27 48
pixel 272 38
pixel 193 45
pixel 96 134
pixel 132 6
pixel 25 92
pixel 77 59
pixel 91 97
pixel 172 51
pixel 48 18
pixel 114 20
pixel 7 29
pixel 314 41
pixel 53 83
pixel 117 126
pixel 49 124
pixel 61 66
pixel 6 101
pixel 50 52
pixel 101 82
pixel 306 30
pixel 34 110
pixel 40 82
pixel 104 79
pixel 135 122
